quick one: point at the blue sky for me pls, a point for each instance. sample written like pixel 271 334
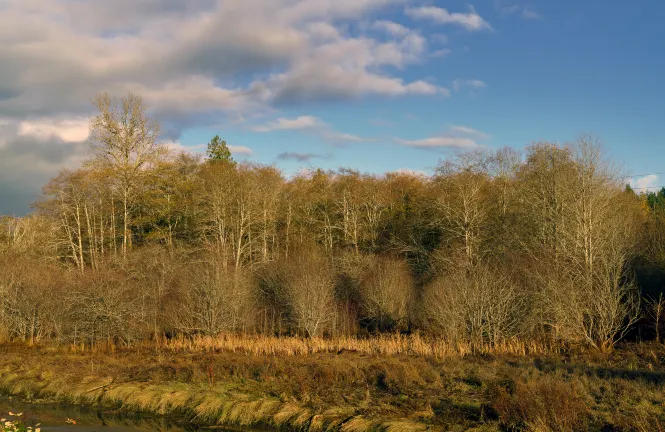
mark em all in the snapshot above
pixel 567 68
pixel 376 85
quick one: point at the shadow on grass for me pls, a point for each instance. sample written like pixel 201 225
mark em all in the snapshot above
pixel 603 372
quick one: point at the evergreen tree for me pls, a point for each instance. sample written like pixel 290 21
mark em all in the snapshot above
pixel 219 151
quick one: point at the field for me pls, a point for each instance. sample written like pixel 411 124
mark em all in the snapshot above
pixel 391 383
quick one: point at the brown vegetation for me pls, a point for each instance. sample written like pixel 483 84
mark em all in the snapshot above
pixel 497 253
pixel 547 248
pixel 376 388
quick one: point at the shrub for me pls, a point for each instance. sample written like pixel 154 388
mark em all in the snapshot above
pixel 220 299
pixel 475 305
pixel 386 290
pixel 540 404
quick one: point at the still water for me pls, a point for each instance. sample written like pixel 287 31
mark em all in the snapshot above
pixel 53 417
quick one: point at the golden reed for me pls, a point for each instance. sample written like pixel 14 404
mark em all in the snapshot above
pixel 394 344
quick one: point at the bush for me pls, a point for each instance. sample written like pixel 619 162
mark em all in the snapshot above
pixel 540 404
pixel 219 299
pixel 386 291
pixel 475 305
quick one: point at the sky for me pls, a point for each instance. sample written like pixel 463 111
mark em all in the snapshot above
pixel 374 85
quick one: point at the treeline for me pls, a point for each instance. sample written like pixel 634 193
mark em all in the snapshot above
pixel 139 243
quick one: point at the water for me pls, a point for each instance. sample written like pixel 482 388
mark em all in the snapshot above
pixel 53 417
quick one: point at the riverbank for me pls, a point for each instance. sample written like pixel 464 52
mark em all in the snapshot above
pixel 353 390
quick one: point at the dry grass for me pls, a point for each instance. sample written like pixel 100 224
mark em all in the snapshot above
pixel 384 345
pixel 309 385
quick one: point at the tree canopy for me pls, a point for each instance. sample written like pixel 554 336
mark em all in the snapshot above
pixel 495 245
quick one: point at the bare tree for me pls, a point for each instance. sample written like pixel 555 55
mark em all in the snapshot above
pixel 219 299
pixel 311 291
pixel 582 222
pixel 123 139
pixel 655 309
pixel 478 306
pixel 386 292
pixel 463 203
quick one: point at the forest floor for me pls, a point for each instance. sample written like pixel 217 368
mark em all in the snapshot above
pixel 354 391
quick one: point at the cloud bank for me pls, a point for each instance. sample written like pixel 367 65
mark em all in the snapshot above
pixel 194 62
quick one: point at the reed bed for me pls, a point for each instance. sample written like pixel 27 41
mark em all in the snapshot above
pixel 383 383
pixel 385 345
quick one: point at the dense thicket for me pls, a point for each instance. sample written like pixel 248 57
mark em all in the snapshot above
pixel 140 242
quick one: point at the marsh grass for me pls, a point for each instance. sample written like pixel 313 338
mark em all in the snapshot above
pixel 386 345
pixel 388 384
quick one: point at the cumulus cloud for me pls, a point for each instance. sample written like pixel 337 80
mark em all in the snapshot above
pixel 470 21
pixel 348 69
pixel 197 63
pixel 189 56
pixel 68 130
pixel 28 160
pixel 391 28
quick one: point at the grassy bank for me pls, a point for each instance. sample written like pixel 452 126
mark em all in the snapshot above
pixel 332 387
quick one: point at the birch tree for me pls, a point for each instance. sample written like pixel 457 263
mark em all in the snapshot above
pixel 123 139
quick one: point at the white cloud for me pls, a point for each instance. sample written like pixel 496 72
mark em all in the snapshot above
pixel 323 31
pixel 455 137
pixel 391 27
pixel 196 63
pixel 182 57
pixel 68 130
pixel 349 69
pixel 242 150
pixel 302 122
pixel 645 183
pixel 470 21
